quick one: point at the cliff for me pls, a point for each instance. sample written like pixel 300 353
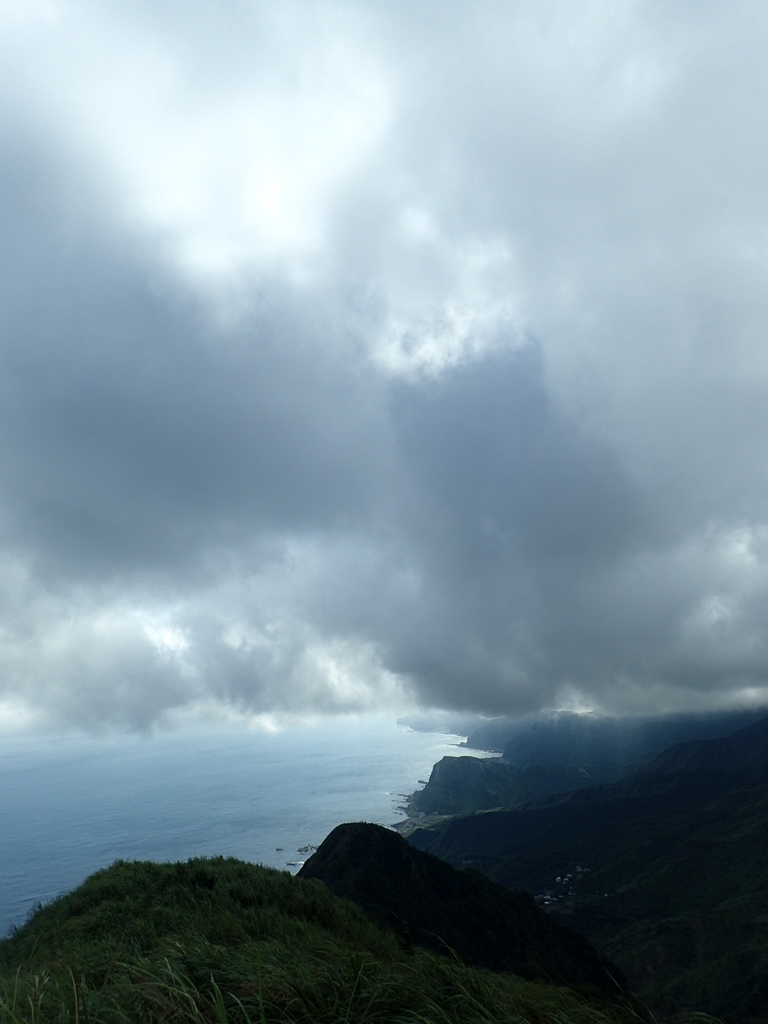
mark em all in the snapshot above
pixel 462 785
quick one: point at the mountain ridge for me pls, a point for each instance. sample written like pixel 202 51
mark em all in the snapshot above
pixel 677 887
pixel 458 913
pixel 221 941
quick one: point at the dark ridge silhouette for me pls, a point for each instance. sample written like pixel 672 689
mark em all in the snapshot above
pixel 568 738
pixel 743 754
pixel 430 904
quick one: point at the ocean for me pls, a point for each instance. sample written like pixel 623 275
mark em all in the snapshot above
pixel 70 806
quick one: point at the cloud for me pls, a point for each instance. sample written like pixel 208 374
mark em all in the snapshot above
pixel 222 139
pixel 380 356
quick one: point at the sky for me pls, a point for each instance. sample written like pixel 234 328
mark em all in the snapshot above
pixel 374 356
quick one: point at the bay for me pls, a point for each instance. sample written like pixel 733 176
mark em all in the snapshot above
pixel 69 806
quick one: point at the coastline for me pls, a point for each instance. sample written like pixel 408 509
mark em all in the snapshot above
pixel 415 819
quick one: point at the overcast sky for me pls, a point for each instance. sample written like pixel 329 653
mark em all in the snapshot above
pixel 369 356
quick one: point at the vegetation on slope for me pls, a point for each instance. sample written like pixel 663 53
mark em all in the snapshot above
pixel 463 785
pixel 431 904
pixel 213 941
pixel 677 891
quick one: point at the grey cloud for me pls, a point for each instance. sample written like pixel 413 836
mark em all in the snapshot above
pixel 134 433
pixel 489 436
pixel 493 454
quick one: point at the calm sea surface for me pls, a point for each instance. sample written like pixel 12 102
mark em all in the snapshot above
pixel 68 807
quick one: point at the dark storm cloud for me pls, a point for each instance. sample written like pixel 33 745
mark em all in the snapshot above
pixel 518 509
pixel 358 356
pixel 133 432
pixel 502 464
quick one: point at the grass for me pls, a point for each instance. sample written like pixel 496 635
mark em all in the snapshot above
pixel 215 941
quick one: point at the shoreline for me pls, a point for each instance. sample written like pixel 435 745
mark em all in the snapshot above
pixel 415 819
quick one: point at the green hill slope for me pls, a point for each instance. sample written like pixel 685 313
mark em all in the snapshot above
pixel 676 891
pixel 463 785
pixel 461 912
pixel 219 940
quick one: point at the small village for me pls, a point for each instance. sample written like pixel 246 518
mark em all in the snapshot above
pixel 565 889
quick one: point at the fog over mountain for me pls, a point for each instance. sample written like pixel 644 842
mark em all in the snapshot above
pixel 365 356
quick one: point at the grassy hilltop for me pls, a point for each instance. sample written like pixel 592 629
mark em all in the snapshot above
pixel 215 940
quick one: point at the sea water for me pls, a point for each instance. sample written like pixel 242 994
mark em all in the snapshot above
pixel 70 806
